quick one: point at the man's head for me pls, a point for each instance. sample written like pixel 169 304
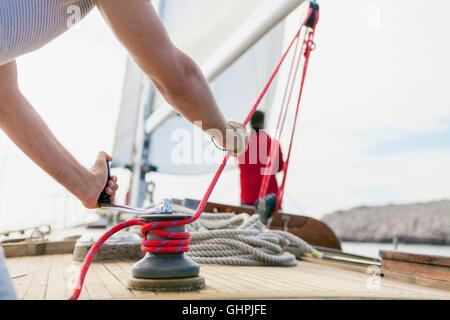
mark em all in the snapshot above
pixel 257 121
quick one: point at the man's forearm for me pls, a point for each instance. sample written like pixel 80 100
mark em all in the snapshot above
pixel 176 76
pixel 194 98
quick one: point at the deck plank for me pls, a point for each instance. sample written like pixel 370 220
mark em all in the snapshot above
pixel 123 272
pixel 38 284
pixel 56 286
pixel 303 279
pixel 17 266
pixel 51 277
pixel 96 285
pixel 391 287
pixel 219 285
pixel 256 283
pixel 272 277
pixel 117 289
pixel 71 272
pixel 237 280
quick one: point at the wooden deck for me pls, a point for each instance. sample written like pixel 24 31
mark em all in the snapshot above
pixel 53 277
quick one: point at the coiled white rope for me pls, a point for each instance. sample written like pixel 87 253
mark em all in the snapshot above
pixel 241 239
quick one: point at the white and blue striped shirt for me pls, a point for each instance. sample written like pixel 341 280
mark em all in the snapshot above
pixel 26 25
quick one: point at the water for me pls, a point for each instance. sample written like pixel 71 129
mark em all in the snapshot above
pixel 371 249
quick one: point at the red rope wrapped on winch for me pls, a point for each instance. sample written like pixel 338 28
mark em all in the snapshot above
pixel 179 241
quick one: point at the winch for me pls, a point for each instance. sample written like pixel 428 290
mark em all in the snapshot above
pixel 165 271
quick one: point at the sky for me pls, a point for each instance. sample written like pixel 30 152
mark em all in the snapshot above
pixel 374 126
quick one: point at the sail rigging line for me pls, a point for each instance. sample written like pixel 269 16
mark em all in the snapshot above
pixel 308 50
pixel 179 241
pixel 307 46
pixel 273 152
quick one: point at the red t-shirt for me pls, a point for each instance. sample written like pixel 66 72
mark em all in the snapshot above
pixel 252 165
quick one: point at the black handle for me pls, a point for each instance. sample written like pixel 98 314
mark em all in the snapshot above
pixel 104 197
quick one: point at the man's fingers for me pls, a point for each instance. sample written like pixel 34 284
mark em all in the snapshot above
pixel 103 156
pixel 113 185
pixel 110 192
pixel 243 135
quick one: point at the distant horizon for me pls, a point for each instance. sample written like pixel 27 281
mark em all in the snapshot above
pixel 388 204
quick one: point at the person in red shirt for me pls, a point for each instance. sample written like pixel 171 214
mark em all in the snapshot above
pixel 253 162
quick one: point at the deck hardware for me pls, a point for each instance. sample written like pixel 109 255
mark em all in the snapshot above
pixel 285 222
pixel 165 271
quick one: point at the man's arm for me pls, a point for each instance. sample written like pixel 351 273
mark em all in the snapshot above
pixel 176 76
pixel 29 132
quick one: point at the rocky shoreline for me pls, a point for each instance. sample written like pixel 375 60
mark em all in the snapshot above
pixel 425 223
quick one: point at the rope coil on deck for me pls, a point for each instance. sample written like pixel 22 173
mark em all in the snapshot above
pixel 227 238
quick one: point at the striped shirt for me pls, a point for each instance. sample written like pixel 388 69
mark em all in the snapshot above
pixel 27 25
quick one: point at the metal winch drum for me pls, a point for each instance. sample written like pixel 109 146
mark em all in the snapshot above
pixel 165 271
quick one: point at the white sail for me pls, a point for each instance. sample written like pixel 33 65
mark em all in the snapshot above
pixel 124 141
pixel 199 30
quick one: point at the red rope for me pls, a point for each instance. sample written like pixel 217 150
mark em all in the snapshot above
pixel 174 241
pixel 309 46
pixel 273 154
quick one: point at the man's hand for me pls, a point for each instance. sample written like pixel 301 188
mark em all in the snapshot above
pixel 237 138
pixel 234 138
pixel 100 174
